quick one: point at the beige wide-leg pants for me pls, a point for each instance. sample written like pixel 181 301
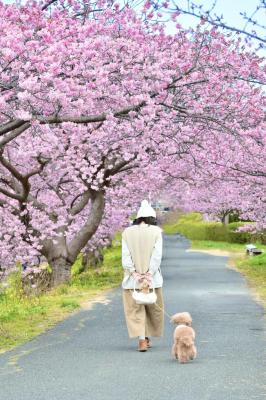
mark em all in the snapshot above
pixel 143 320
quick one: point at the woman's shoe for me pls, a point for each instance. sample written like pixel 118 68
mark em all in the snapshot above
pixel 148 342
pixel 142 345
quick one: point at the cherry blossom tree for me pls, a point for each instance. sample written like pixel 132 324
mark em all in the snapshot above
pixel 232 180
pixel 253 27
pixel 98 110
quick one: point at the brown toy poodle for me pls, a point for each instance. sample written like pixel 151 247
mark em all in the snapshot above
pixel 183 348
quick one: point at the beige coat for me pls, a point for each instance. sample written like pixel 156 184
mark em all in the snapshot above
pixel 140 240
pixel 142 252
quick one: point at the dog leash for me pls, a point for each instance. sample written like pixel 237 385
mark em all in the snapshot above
pixel 157 305
pixel 163 310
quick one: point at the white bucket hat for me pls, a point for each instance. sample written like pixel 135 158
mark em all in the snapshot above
pixel 146 210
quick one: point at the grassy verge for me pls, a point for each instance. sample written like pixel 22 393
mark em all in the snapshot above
pixel 254 269
pixel 232 247
pixel 22 318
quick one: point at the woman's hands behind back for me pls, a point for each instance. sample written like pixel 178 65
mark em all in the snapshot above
pixel 141 277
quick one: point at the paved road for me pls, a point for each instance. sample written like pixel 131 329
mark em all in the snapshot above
pixel 88 356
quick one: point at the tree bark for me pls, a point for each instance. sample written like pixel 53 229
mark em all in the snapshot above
pixel 61 271
pixel 61 256
pixel 90 226
pixel 225 219
pixel 92 259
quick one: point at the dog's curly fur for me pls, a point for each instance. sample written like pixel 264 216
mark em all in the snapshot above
pixel 184 335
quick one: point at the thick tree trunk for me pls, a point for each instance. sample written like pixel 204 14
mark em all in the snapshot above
pixel 92 259
pixel 61 271
pixel 225 219
pixel 90 227
pixel 62 255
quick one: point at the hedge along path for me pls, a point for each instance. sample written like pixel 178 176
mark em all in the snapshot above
pixel 193 227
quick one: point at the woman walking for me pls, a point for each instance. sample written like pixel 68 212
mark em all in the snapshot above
pixel 141 259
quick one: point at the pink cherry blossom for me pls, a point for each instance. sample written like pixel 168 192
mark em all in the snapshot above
pixel 101 110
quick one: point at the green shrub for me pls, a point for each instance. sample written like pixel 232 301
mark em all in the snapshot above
pixel 235 225
pixel 194 227
pixel 191 217
pixel 14 286
pixel 239 237
pixel 203 230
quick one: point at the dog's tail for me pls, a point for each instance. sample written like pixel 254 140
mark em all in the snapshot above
pixel 186 341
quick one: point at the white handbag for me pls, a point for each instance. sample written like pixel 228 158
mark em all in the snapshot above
pixel 144 298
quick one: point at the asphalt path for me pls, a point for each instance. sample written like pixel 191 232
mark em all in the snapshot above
pixel 89 355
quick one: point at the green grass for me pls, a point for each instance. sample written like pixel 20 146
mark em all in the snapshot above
pixel 22 318
pixel 233 247
pixel 254 268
